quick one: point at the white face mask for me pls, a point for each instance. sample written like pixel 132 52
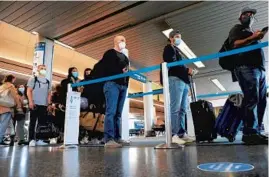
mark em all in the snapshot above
pixel 122 45
pixel 125 52
pixel 43 72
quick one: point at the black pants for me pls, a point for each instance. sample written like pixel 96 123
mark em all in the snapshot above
pixel 40 114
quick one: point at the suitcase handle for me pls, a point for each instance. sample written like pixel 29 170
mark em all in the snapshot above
pixel 192 87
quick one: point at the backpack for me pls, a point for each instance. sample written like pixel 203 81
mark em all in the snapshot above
pixel 228 62
pixel 37 81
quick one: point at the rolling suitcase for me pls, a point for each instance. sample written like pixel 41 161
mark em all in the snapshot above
pixel 203 117
pixel 229 120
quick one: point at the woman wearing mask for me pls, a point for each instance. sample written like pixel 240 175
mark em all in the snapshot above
pixel 5 111
pixel 20 118
pixel 71 79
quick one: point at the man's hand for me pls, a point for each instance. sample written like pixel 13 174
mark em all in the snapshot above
pixel 31 105
pixel 125 70
pixel 190 71
pixel 257 35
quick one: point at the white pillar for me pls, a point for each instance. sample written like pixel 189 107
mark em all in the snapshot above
pixel 125 119
pixel 148 108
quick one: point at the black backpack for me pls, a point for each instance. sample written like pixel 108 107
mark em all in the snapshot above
pixel 228 62
pixel 37 81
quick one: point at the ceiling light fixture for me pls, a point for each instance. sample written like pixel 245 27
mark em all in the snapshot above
pixel 34 32
pixel 185 49
pixel 218 84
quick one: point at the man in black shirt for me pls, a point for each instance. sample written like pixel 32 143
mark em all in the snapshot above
pixel 115 62
pixel 250 73
pixel 179 88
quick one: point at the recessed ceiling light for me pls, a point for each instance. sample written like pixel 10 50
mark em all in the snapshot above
pixel 35 33
pixel 218 84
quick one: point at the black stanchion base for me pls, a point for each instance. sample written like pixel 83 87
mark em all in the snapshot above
pixel 172 146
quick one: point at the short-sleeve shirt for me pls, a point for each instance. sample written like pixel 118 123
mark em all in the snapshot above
pixel 254 58
pixel 41 90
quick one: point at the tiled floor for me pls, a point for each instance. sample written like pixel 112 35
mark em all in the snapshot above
pixel 134 161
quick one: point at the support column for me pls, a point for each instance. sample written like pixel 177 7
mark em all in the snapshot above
pixel 148 108
pixel 43 54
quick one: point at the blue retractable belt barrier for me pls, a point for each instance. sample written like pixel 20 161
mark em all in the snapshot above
pixel 137 95
pixel 182 62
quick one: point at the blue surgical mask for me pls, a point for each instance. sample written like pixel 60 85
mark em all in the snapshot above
pixel 21 90
pixel 75 74
pixel 177 41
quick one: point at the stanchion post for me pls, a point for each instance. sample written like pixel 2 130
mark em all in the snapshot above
pixel 167 112
pixel 72 112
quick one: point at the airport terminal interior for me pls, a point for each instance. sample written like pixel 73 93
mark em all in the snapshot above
pixel 66 117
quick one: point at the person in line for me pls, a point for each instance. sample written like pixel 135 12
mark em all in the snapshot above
pixel 179 88
pixel 58 112
pixel 6 112
pixel 39 95
pixel 250 73
pixel 71 79
pixel 115 62
pixel 20 121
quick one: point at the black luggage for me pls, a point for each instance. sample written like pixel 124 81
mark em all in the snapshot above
pixel 203 118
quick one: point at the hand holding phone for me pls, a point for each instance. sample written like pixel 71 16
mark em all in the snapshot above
pixel 265 29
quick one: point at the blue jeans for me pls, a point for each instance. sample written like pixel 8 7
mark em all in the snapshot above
pixel 4 122
pixel 115 95
pixel 178 105
pixel 253 85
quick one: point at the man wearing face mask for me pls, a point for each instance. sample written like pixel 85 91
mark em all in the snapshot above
pixel 115 61
pixel 250 73
pixel 179 88
pixel 39 95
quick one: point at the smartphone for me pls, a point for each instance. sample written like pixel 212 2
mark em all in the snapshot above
pixel 265 29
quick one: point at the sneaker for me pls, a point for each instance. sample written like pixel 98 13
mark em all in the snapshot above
pixel 32 143
pixel 113 144
pixel 41 143
pixel 177 140
pixel 254 139
pixel 123 142
pixel 23 142
pixel 84 140
pixel 53 141
pixel 188 138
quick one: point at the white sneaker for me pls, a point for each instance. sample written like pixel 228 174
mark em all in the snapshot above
pixel 112 144
pixel 177 140
pixel 41 143
pixel 53 141
pixel 188 138
pixel 32 143
pixel 84 140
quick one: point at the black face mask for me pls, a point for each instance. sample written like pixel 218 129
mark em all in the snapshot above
pixel 247 20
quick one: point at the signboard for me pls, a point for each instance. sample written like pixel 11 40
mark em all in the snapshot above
pixel 72 112
pixel 225 167
pixel 139 125
pixel 39 56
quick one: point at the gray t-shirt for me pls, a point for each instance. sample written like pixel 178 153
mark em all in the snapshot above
pixel 41 90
